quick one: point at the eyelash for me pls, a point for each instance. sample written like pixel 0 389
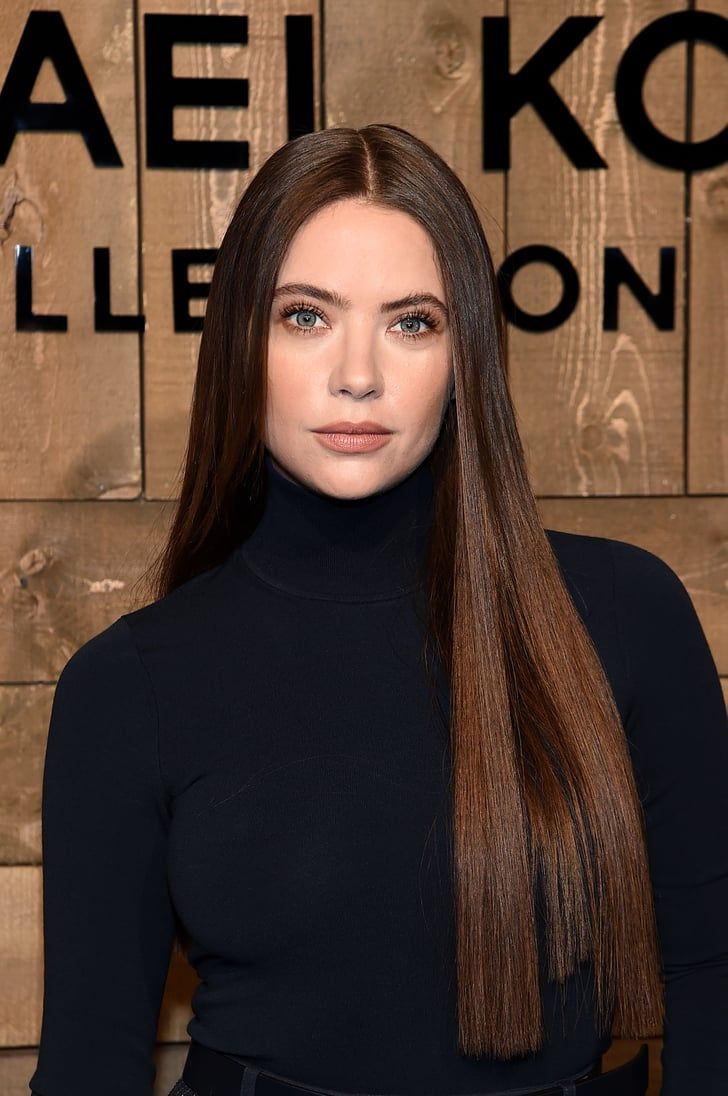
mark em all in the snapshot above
pixel 424 314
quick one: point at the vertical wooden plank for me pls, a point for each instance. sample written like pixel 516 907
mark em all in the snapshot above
pixel 183 208
pixel 21 955
pixel 71 399
pixel 708 283
pixel 424 74
pixel 24 715
pixel 601 411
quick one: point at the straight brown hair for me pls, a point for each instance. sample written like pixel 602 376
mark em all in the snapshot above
pixel 542 785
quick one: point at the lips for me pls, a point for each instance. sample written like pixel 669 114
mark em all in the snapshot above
pixel 341 427
pixel 348 442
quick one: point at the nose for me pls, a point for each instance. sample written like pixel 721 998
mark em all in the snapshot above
pixel 358 372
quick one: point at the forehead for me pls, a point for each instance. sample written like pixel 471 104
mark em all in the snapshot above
pixel 358 248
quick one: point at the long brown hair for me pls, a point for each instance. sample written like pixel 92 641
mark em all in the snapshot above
pixel 542 782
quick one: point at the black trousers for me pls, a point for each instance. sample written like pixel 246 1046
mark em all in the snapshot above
pixel 207 1072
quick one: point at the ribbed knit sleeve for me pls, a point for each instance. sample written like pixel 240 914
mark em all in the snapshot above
pixel 107 917
pixel 678 736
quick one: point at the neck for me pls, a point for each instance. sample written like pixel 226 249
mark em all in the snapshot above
pixel 315 545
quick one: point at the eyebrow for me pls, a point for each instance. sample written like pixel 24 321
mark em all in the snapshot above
pixel 333 298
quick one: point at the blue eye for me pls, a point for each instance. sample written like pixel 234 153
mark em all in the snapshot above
pixel 420 318
pixel 429 319
pixel 292 310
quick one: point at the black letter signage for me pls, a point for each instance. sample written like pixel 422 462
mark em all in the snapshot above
pixel 701 26
pixel 25 318
pixel 550 256
pixel 46 36
pixel 659 306
pixel 505 92
pixel 104 318
pixel 165 91
pixel 183 290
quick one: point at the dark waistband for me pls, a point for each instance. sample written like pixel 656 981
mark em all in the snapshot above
pixel 212 1073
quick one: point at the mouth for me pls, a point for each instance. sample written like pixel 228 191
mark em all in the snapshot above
pixel 366 427
pixel 353 437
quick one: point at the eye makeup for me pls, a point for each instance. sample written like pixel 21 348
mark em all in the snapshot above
pixel 423 315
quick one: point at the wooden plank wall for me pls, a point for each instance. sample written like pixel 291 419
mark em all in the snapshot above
pixel 625 430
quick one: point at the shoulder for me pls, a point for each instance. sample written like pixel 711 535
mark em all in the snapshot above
pixel 187 613
pixel 642 588
pixel 586 566
pixel 114 664
pixel 103 722
pixel 655 640
pixel 642 599
pixel 659 637
pixel 593 553
pixel 109 652
pixel 105 674
pixel 651 601
pixel 631 577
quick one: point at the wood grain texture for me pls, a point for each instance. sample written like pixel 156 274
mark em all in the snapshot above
pixel 191 209
pixel 21 955
pixel 601 412
pixel 608 418
pixel 24 716
pixel 708 282
pixel 70 426
pixel 66 570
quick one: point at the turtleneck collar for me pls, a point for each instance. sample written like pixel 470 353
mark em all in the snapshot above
pixel 314 545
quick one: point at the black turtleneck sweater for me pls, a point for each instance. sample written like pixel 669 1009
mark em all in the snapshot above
pixel 257 754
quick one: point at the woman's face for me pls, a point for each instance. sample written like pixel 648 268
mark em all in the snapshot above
pixel 346 351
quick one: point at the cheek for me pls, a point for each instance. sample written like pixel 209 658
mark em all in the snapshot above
pixel 425 392
pixel 290 384
pixel 435 398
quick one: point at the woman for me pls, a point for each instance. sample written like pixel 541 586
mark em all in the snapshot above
pixel 433 796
